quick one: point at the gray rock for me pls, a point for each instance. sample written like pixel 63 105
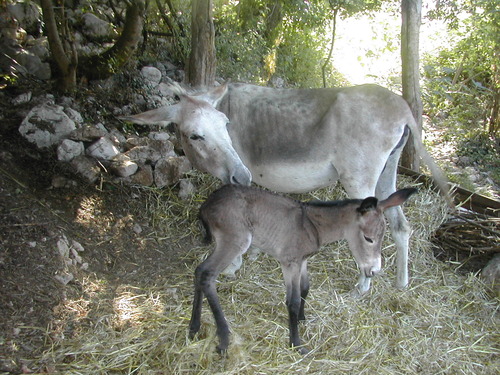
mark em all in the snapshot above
pixel 102 149
pixel 169 171
pixel 151 75
pixel 74 115
pixel 68 150
pixel 87 133
pixel 122 166
pixel 28 14
pixel 46 125
pixel 96 29
pixel 22 98
pixel 86 167
pixel 34 65
pixel 143 177
pixel 491 274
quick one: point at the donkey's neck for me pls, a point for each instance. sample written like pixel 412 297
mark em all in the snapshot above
pixel 331 222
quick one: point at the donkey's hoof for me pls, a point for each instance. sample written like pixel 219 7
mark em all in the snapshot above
pixel 401 285
pixel 355 293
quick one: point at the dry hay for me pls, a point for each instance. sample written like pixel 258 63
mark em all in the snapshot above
pixel 444 323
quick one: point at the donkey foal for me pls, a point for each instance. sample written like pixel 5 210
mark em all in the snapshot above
pixel 291 231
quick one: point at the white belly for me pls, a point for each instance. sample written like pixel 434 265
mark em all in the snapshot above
pixel 294 177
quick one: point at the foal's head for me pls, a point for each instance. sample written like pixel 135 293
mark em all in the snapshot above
pixel 366 232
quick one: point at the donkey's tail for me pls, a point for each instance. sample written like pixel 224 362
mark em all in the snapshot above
pixel 205 230
pixel 436 172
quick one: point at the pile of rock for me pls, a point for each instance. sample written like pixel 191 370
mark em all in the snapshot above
pixel 93 149
pixel 25 49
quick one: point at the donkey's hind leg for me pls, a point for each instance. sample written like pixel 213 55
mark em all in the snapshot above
pixel 400 229
pixel 401 232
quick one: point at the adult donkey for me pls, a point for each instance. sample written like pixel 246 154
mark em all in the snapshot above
pixel 298 140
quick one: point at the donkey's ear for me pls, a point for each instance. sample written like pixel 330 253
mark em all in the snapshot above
pixel 159 116
pixel 214 96
pixel 397 198
pixel 367 204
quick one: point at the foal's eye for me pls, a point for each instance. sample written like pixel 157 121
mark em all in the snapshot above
pixel 196 137
pixel 369 240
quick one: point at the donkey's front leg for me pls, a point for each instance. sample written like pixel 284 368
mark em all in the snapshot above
pixel 291 274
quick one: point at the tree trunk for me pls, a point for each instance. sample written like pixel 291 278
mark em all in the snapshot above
pixel 202 61
pixel 494 117
pixel 411 11
pixel 105 65
pixel 332 44
pixel 66 59
pixel 274 18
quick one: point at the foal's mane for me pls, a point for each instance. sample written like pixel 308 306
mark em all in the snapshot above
pixel 337 203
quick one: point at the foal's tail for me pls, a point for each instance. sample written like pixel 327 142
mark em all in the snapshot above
pixel 205 230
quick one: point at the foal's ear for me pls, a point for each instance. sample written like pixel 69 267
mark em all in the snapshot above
pixel 397 198
pixel 367 204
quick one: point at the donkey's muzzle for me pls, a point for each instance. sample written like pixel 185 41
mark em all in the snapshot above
pixel 372 271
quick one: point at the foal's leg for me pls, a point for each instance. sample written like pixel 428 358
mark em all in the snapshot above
pixel 195 322
pixel 291 274
pixel 205 276
pixel 304 288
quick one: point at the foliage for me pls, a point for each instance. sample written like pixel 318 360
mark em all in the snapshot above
pixel 463 81
pixel 462 84
pixel 259 39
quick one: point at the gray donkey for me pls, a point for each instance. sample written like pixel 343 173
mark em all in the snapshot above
pixel 291 231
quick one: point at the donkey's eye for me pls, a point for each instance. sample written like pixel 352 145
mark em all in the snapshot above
pixel 196 137
pixel 369 240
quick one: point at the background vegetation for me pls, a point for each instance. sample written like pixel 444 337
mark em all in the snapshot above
pixel 290 43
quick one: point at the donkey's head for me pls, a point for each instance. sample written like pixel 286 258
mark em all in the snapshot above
pixel 366 234
pixel 203 134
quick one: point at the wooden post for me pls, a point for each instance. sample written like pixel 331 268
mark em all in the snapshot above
pixel 411 11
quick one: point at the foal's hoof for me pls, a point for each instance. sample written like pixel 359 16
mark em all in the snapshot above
pixel 303 350
pixel 222 351
pixel 192 334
